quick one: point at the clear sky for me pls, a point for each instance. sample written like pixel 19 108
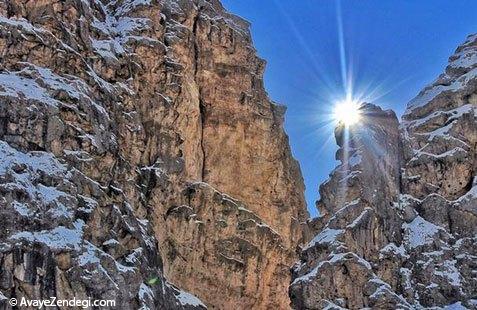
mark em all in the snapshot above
pixel 389 50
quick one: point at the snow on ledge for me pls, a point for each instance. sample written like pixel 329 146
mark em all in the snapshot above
pixel 420 232
pixel 326 236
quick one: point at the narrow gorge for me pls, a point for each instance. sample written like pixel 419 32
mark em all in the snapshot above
pixel 142 161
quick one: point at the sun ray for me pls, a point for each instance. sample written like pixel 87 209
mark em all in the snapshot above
pixel 347 112
pixel 318 74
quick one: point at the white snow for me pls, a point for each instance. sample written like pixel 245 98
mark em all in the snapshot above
pixel 452 114
pixel 332 306
pixel 145 293
pixel 360 217
pixel 79 155
pixel 455 306
pixel 471 194
pixel 184 298
pixel 189 299
pixel 406 277
pixel 333 258
pixel 120 30
pixel 58 238
pixel 466 57
pixel 451 153
pixel 21 23
pixel 350 175
pixel 326 236
pixel 129 5
pixel 39 84
pixel 89 256
pixel 465 61
pixel 13 85
pixel 21 208
pixel 420 232
pixel 391 248
pixel 34 165
pixel 355 159
pixel 2 297
pixel 431 92
pixel 134 257
pixel 384 289
pixel 449 271
pixel 111 242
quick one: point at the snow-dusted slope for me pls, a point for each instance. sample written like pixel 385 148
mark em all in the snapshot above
pixel 410 244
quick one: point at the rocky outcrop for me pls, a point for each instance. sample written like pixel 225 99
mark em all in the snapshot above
pixel 138 144
pixel 397 225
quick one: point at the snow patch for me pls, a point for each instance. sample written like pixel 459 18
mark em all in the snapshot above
pixel 420 232
pixel 450 272
pixel 392 249
pixel 326 236
pixel 430 93
pixel 59 238
pixel 184 298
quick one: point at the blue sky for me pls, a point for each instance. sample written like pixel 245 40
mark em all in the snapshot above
pixel 391 49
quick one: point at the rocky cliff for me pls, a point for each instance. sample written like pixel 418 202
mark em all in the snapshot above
pixel 138 144
pixel 397 225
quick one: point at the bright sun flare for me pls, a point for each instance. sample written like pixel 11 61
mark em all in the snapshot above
pixel 347 112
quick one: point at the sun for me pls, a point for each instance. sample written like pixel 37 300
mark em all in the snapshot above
pixel 347 112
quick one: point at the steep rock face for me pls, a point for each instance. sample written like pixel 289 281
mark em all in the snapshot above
pixel 414 244
pixel 240 260
pixel 239 149
pixel 130 121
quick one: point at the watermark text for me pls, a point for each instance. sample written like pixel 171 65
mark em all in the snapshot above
pixel 55 302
